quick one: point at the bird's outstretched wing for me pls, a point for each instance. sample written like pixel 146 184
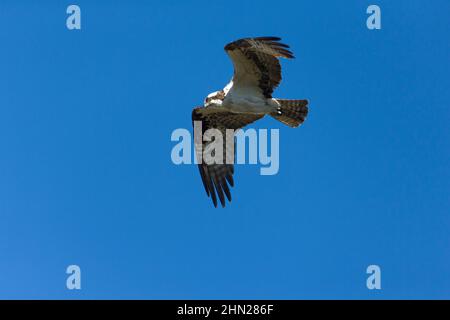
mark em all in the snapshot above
pixel 218 177
pixel 256 66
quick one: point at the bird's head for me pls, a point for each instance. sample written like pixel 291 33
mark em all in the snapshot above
pixel 214 98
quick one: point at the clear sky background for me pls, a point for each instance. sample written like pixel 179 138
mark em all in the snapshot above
pixel 86 176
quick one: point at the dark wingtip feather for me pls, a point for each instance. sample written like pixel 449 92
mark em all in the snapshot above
pixel 230 180
pixel 214 198
pixel 279 44
pixel 219 192
pixel 211 189
pixel 275 43
pixel 226 189
pixel 202 175
pixel 270 38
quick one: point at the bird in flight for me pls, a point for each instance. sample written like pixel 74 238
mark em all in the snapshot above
pixel 245 99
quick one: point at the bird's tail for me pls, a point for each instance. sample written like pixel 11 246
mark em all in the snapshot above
pixel 291 112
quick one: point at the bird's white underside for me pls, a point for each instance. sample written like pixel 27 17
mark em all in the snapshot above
pixel 242 93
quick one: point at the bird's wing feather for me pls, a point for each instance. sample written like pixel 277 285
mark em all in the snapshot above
pixel 218 177
pixel 257 69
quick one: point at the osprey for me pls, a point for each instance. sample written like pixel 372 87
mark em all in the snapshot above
pixel 247 98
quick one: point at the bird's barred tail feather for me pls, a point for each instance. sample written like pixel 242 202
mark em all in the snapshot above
pixel 291 112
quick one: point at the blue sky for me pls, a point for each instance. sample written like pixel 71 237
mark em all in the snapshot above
pixel 86 176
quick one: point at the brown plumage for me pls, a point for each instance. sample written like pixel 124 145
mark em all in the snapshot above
pixel 263 53
pixel 217 178
pixel 257 72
